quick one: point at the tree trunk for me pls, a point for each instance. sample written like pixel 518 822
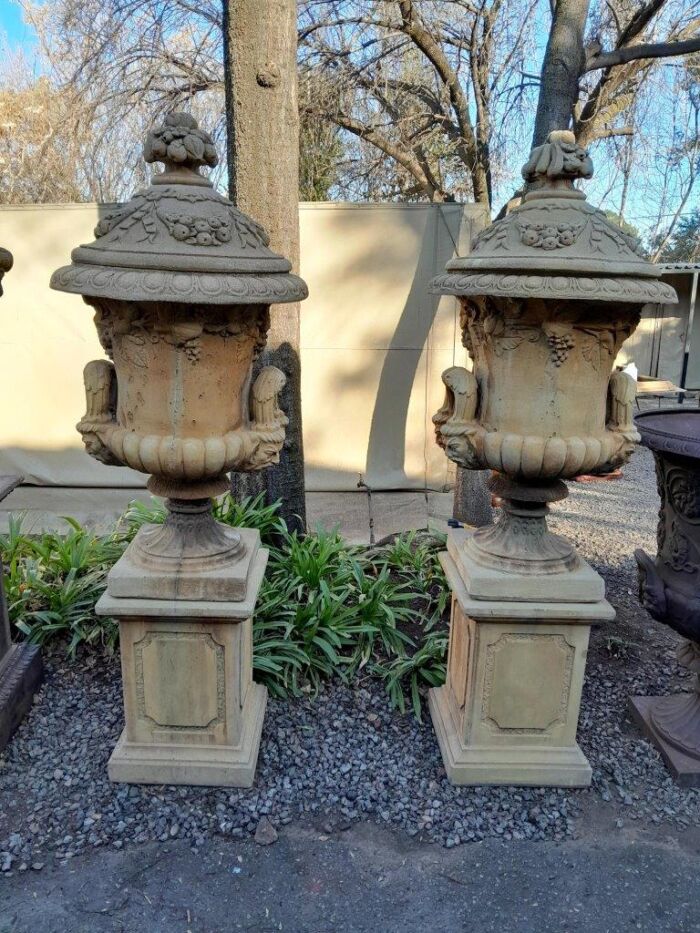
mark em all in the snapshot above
pixel 563 65
pixel 262 120
pixel 472 498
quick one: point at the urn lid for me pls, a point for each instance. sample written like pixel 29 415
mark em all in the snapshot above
pixel 179 239
pixel 555 244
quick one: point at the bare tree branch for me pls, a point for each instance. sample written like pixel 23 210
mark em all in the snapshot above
pixel 643 50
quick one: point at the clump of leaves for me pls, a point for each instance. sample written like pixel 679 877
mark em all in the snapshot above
pixel 325 609
pixel 52 582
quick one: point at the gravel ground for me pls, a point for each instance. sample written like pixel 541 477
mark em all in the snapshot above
pixel 344 756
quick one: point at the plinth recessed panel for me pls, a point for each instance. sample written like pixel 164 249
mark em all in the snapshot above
pixel 168 695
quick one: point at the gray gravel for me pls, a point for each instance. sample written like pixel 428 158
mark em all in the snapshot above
pixel 345 756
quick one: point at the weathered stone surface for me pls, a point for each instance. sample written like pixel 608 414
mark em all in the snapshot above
pixel 509 709
pixel 192 576
pixel 670 584
pixel 549 293
pixel 581 585
pixel 181 282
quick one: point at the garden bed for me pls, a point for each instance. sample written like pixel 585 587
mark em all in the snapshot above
pixel 341 749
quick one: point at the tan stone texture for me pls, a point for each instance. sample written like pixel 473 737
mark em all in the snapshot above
pixel 509 709
pixel 193 713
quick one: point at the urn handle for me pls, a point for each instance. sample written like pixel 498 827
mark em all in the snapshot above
pixel 100 379
pixel 264 398
pixel 461 398
pixel 622 391
pixel 456 429
pixel 264 439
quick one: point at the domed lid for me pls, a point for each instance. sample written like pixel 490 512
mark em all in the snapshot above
pixel 179 240
pixel 555 244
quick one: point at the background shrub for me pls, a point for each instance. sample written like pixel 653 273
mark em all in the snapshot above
pixel 326 609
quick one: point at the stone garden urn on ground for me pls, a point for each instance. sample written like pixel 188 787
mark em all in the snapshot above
pixel 20 664
pixel 670 583
pixel 548 294
pixel 181 283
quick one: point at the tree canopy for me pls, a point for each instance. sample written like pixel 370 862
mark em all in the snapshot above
pixel 400 99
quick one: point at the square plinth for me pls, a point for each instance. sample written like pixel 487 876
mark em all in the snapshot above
pixel 684 768
pixel 20 675
pixel 509 709
pixel 193 713
pixel 582 585
pixel 128 579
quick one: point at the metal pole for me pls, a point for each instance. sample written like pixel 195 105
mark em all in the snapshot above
pixel 689 331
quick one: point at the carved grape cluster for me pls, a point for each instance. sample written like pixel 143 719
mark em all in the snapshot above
pixel 198 231
pixel 560 346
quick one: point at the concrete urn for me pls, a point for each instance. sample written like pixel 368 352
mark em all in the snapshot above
pixel 548 294
pixel 669 583
pixel 181 282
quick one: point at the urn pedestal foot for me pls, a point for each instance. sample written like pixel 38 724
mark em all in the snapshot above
pixel 514 765
pixel 509 709
pixel 683 765
pixel 20 675
pixel 193 713
pixel 580 585
pixel 138 575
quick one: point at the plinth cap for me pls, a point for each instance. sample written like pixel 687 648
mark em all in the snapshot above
pixel 179 239
pixel 555 244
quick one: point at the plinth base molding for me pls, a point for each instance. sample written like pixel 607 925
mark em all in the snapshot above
pixel 204 765
pixel 522 765
pixel 685 768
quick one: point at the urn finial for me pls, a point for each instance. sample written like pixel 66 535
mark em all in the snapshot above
pixel 182 147
pixel 560 159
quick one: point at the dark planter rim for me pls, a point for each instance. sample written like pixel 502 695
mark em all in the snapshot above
pixel 671 430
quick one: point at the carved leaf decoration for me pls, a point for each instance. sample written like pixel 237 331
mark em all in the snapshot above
pixel 684 492
pixel 133 350
pixel 590 350
pixel 506 344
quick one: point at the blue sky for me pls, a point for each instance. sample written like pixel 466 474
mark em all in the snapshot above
pixel 641 207
pixel 13 30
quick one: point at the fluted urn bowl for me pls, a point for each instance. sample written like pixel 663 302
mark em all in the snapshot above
pixel 548 294
pixel 181 282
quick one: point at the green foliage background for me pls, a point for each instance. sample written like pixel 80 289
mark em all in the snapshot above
pixel 325 610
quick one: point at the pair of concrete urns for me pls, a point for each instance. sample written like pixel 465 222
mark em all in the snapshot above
pixel 181 283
